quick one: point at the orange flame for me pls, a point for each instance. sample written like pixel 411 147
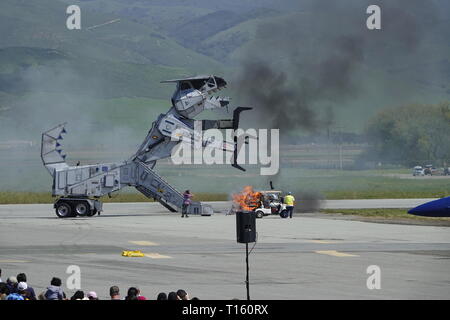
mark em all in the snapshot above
pixel 247 199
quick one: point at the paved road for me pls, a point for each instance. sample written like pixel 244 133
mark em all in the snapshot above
pixel 373 203
pixel 300 258
pixel 353 204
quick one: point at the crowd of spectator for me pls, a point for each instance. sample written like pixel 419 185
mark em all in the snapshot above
pixel 17 288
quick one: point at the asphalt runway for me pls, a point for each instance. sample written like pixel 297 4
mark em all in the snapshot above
pixel 306 257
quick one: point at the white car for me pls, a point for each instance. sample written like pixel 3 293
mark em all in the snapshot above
pixel 418 171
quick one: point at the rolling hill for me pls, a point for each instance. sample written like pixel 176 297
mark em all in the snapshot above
pixel 128 57
pixel 156 39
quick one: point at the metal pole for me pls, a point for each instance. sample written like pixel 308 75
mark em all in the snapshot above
pixel 247 281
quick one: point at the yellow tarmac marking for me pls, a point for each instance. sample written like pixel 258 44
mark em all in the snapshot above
pixel 321 241
pixel 13 261
pixel 335 253
pixel 157 256
pixel 144 243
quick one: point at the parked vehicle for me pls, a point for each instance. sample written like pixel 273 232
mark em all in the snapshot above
pixel 430 170
pixel 447 171
pixel 418 171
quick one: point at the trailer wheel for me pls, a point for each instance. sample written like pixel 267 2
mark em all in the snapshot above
pixel 259 214
pixel 63 210
pixel 82 208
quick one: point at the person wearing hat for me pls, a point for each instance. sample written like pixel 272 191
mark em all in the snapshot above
pixel 92 295
pixel 11 283
pixel 289 201
pixel 19 290
pixel 22 290
pixel 114 293
pixel 31 295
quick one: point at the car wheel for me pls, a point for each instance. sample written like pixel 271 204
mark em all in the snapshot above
pixel 82 208
pixel 63 210
pixel 259 214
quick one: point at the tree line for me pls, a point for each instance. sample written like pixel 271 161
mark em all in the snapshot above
pixel 410 133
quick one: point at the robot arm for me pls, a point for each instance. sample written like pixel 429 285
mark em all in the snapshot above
pixel 178 130
pixel 227 123
pixel 174 128
pixel 231 124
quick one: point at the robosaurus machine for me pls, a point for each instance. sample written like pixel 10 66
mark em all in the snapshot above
pixel 79 188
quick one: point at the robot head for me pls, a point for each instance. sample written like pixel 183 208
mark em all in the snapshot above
pixel 192 94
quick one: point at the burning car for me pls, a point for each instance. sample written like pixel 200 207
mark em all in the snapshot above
pixel 263 203
pixel 272 203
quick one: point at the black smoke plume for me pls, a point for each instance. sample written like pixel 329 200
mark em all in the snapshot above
pixel 299 65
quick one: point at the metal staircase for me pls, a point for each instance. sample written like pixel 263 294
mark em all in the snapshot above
pixel 152 185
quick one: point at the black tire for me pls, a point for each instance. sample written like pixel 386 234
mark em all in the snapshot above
pixel 63 210
pixel 81 208
pixel 259 214
pixel 284 214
